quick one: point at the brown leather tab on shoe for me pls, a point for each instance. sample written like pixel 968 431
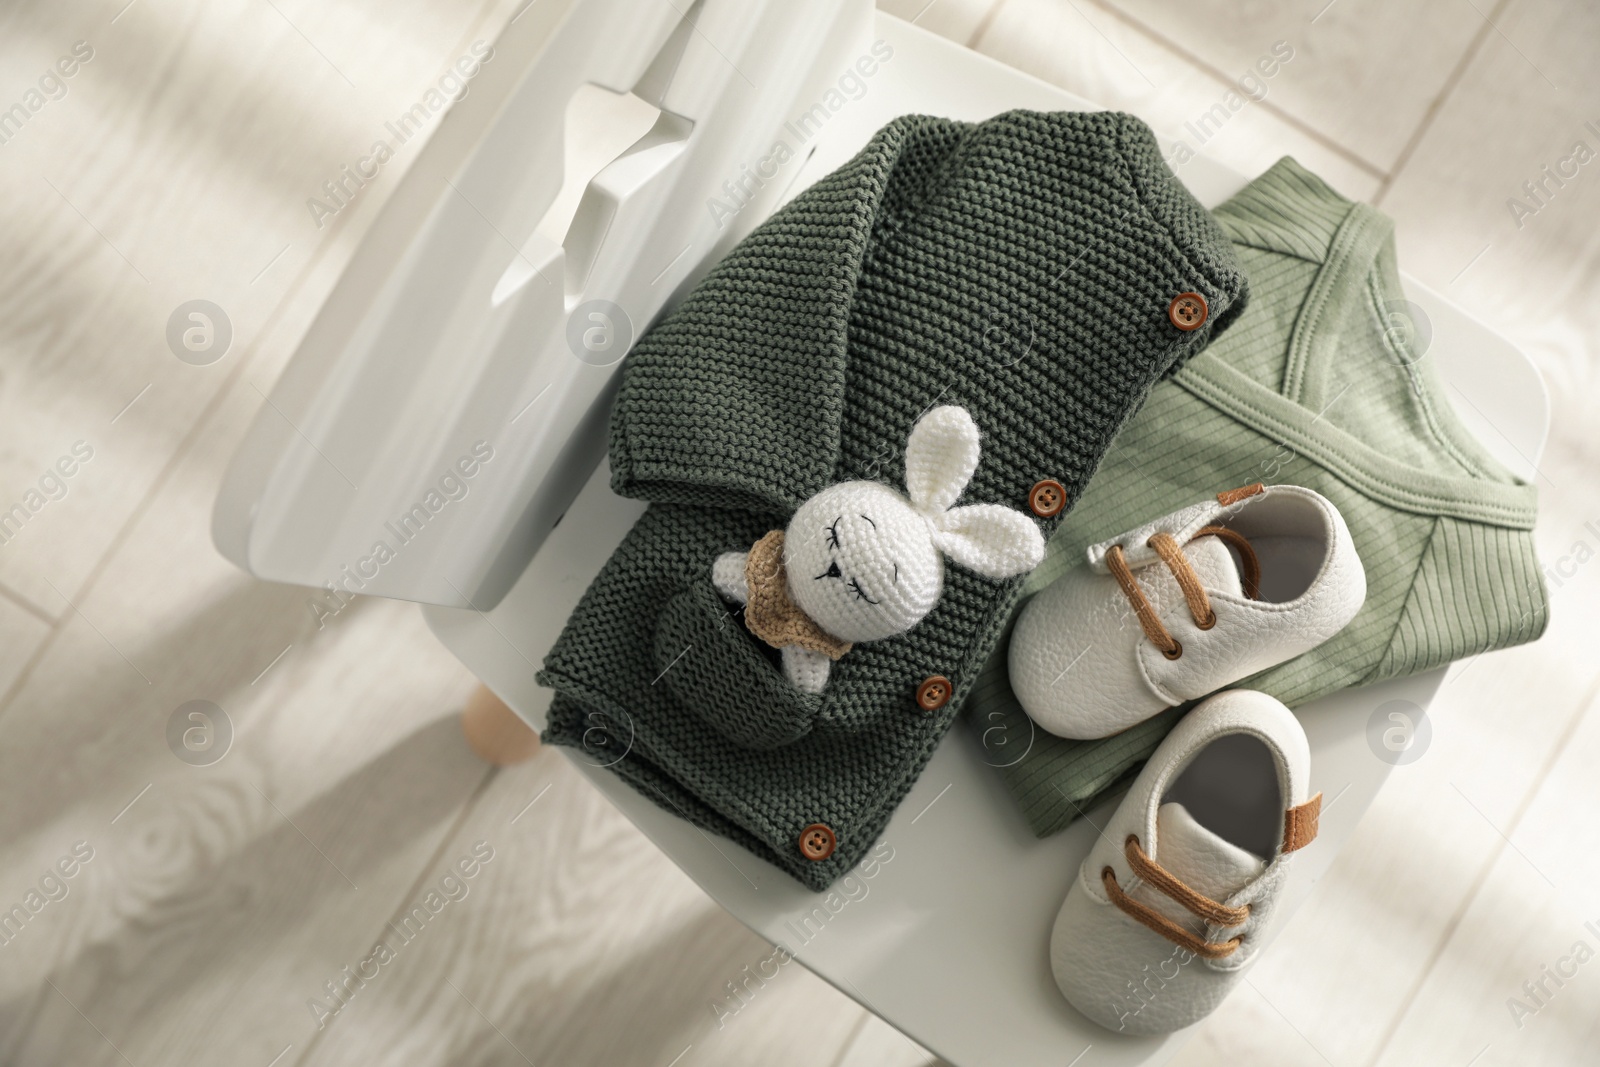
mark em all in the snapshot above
pixel 1300 824
pixel 1229 497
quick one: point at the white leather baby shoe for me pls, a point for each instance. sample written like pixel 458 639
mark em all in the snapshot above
pixel 1172 901
pixel 1183 606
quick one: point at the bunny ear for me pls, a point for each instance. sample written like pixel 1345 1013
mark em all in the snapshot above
pixel 994 541
pixel 941 454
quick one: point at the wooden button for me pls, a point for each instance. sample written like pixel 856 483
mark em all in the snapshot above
pixel 934 692
pixel 1187 311
pixel 817 842
pixel 1047 498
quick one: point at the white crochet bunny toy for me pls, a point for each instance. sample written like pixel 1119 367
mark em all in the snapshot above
pixel 860 562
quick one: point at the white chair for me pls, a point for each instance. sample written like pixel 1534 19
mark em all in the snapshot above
pixel 450 327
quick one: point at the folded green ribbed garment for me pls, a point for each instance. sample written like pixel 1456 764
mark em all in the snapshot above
pixel 1327 381
pixel 1022 268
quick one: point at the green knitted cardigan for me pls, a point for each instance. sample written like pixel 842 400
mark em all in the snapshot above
pixel 1021 268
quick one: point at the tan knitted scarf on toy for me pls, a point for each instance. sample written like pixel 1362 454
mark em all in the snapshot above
pixel 770 614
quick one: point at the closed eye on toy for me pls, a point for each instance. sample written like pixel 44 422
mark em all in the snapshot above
pixel 855 587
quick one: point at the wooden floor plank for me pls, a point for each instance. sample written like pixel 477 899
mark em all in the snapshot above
pixel 1533 270
pixel 1088 51
pixel 962 21
pixel 22 633
pixel 579 942
pixel 1365 72
pixel 219 896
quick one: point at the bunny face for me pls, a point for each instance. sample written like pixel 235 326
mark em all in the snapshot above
pixel 865 563
pixel 861 562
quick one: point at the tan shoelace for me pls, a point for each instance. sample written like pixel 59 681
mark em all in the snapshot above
pixel 1194 594
pixel 1202 906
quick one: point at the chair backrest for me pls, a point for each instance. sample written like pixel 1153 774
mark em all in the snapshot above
pixel 451 397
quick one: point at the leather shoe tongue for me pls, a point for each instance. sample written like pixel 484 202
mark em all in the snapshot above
pixel 1214 564
pixel 1200 858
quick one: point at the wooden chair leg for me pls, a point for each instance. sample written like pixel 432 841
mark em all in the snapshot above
pixel 495 732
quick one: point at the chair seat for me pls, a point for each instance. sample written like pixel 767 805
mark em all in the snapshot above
pixel 947 939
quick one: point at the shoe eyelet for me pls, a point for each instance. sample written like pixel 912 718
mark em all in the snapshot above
pixel 1210 621
pixel 1176 651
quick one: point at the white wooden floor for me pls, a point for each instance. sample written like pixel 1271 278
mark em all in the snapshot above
pixel 217 901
